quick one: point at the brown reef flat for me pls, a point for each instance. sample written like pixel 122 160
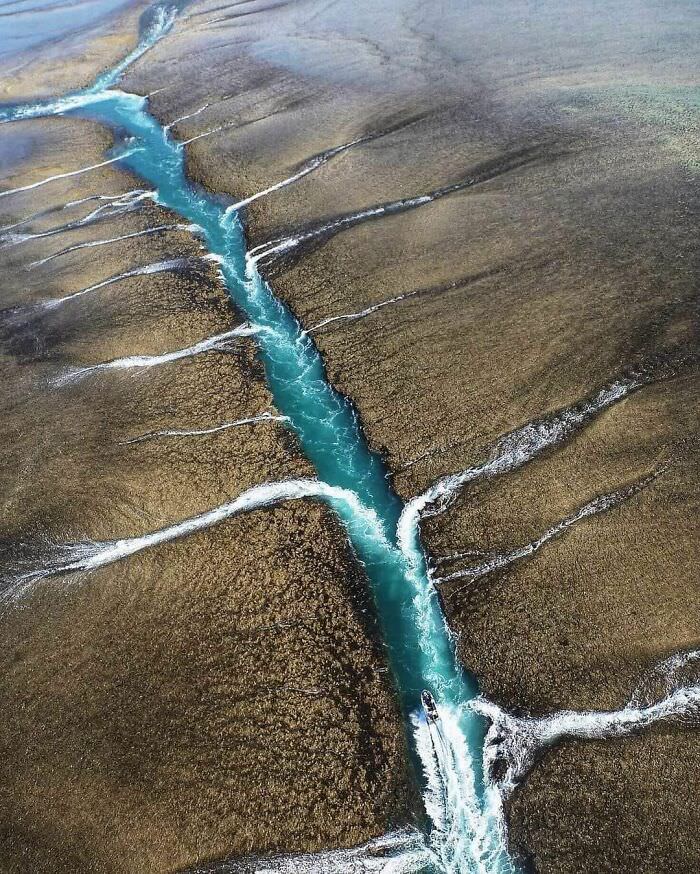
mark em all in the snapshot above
pixel 566 260
pixel 157 711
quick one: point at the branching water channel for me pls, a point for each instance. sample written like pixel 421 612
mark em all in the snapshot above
pixel 466 833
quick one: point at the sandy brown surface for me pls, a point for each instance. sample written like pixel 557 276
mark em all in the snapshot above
pixel 575 624
pixel 219 695
pixel 607 824
pixel 570 263
pixel 159 711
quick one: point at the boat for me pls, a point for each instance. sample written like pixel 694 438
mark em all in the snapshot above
pixel 429 706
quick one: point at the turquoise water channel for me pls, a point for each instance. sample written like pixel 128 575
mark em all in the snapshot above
pixel 465 834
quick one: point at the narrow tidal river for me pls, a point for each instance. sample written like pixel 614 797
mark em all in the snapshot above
pixel 463 810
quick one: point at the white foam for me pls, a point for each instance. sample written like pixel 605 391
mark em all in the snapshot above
pixel 400 852
pixel 666 673
pixel 200 432
pixel 467 831
pixel 516 741
pixel 218 342
pixel 145 270
pixel 71 204
pixel 68 175
pixel 185 117
pixel 308 167
pixel 92 243
pixel 352 317
pixel 509 453
pixel 273 248
pixel 600 504
pixel 209 133
pixel 90 555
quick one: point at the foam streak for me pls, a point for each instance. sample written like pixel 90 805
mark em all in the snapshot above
pixel 219 342
pixel 64 206
pixel 399 852
pixel 200 432
pixel 511 452
pixel 307 167
pixel 145 270
pixel 68 175
pixel 90 555
pixel 92 243
pixel 515 742
pixel 480 174
pixel 600 504
pixel 353 317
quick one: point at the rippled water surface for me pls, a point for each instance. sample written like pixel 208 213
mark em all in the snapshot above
pixel 25 24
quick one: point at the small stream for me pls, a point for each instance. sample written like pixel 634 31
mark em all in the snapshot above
pixel 466 831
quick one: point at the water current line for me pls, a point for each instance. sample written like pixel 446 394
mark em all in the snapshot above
pixel 466 832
